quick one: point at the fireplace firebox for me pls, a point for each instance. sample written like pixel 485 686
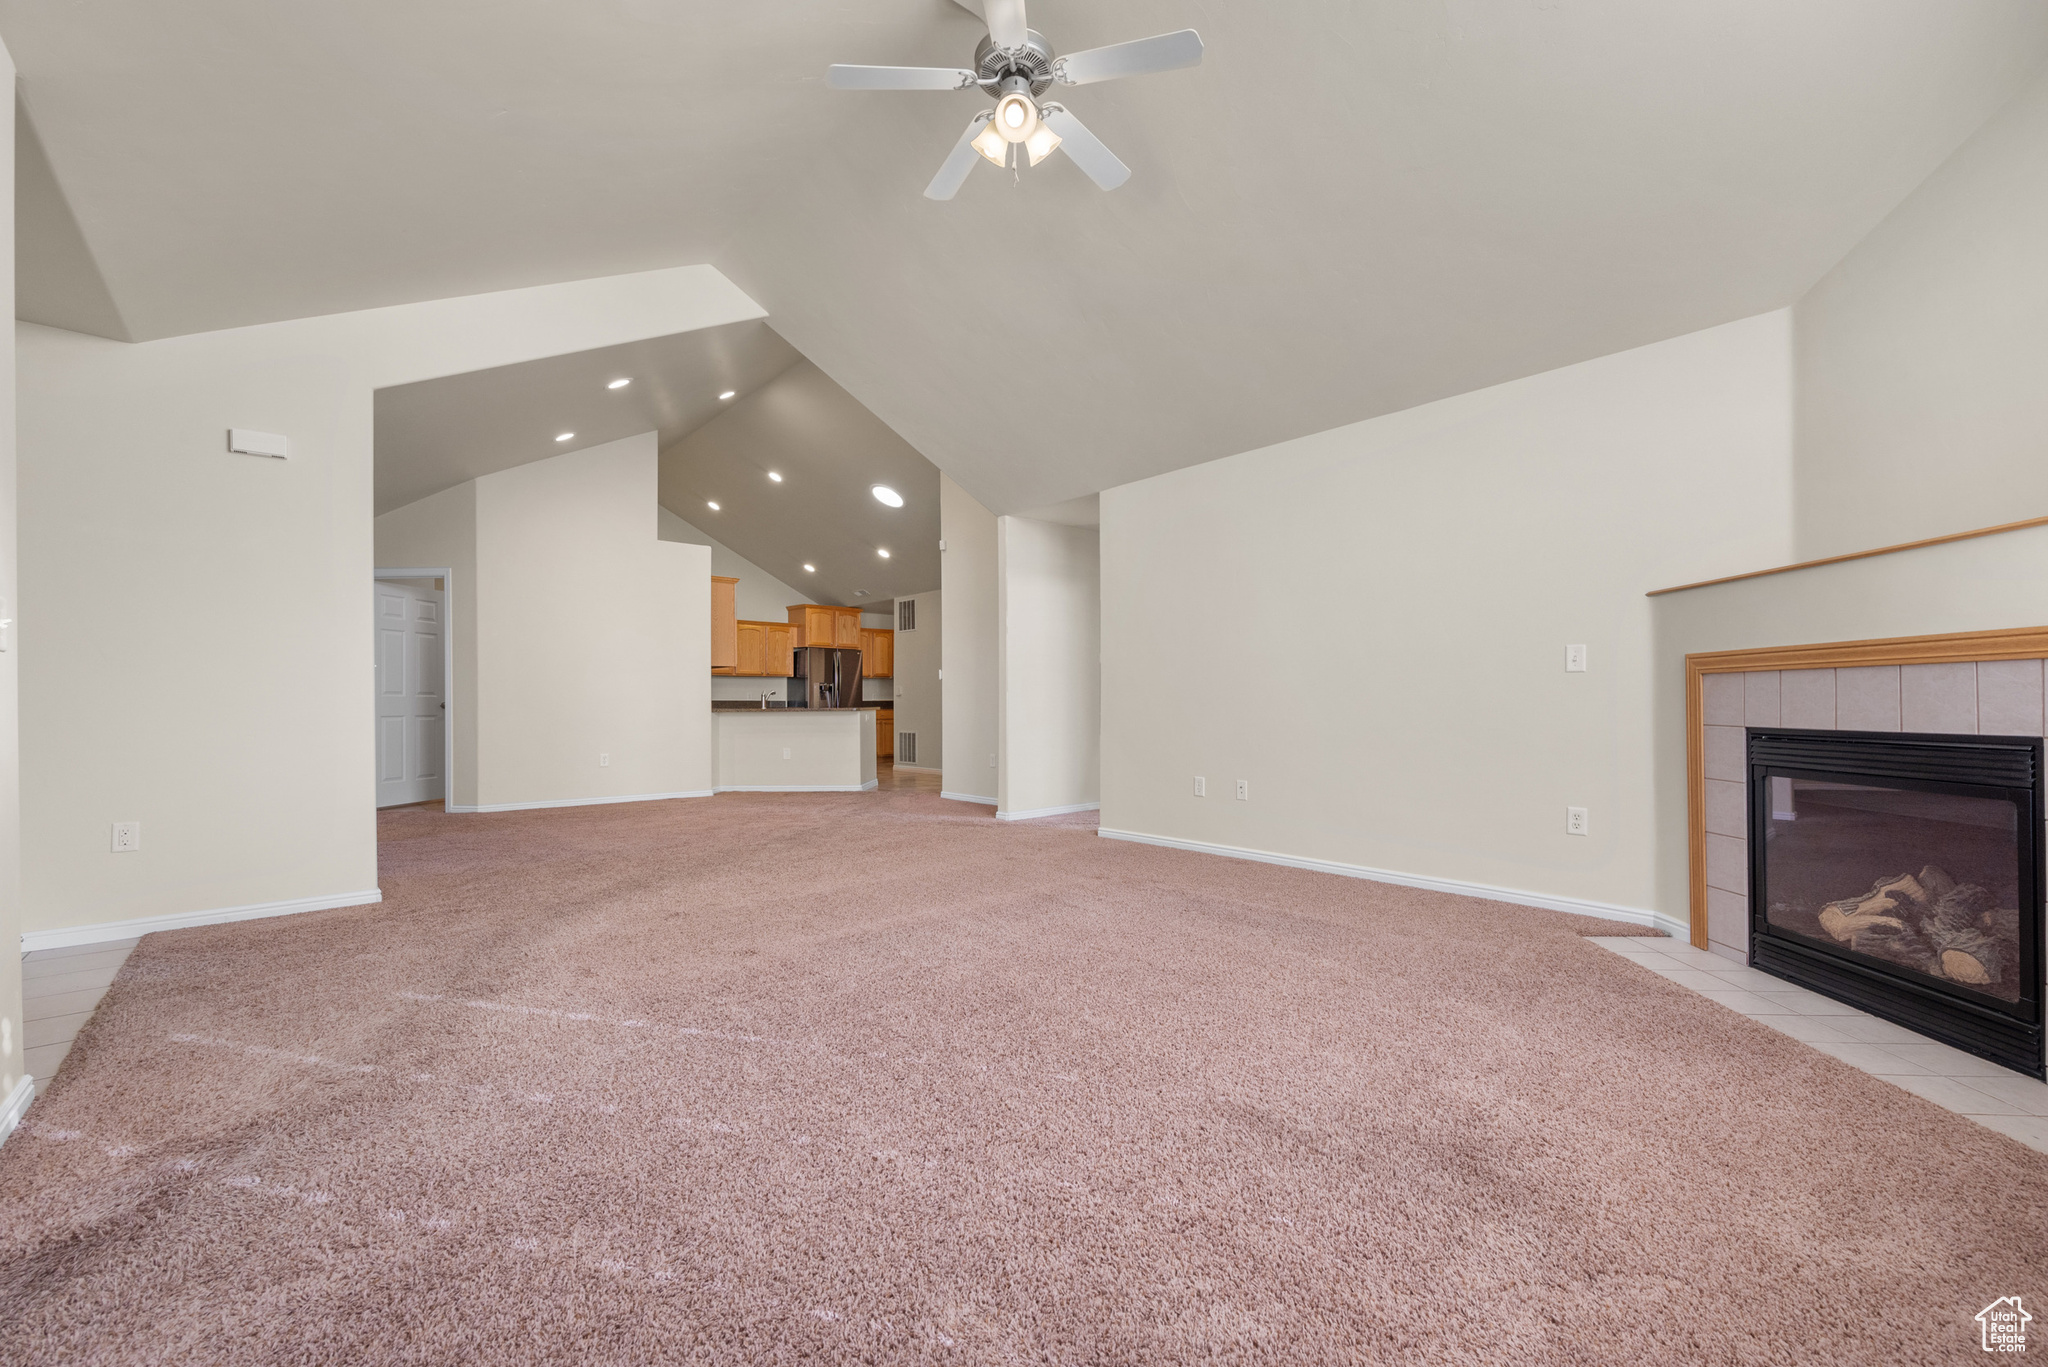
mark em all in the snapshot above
pixel 1902 874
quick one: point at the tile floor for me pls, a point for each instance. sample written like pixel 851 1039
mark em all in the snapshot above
pixel 2009 1102
pixel 59 989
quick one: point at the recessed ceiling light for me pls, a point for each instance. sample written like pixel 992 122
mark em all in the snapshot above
pixel 727 394
pixel 565 436
pixel 810 569
pixel 882 551
pixel 618 384
pixel 885 494
pixel 777 478
pixel 712 506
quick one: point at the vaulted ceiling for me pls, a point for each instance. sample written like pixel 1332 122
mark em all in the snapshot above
pixel 1346 210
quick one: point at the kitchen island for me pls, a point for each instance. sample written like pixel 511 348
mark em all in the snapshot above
pixel 793 749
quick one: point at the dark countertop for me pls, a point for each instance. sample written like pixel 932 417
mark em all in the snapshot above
pixel 740 705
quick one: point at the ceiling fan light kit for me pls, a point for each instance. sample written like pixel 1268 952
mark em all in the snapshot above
pixel 1017 66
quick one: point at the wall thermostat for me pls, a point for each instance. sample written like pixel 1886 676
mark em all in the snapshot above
pixel 244 442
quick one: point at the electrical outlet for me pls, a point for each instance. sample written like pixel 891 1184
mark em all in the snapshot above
pixel 604 761
pixel 1574 659
pixel 1201 786
pixel 1575 821
pixel 127 836
pixel 785 752
pixel 1244 790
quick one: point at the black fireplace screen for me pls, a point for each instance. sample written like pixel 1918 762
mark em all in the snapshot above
pixel 1903 874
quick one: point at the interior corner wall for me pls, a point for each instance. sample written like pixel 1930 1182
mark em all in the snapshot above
pixel 967 584
pixel 439 532
pixel 1922 357
pixel 1049 660
pixel 759 596
pixel 594 637
pixel 246 748
pixel 919 695
pixel 12 1044
pixel 1368 625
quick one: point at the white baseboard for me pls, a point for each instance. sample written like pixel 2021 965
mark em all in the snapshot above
pixel 1578 906
pixel 801 787
pixel 917 768
pixel 16 1105
pixel 969 797
pixel 1049 811
pixel 68 936
pixel 576 802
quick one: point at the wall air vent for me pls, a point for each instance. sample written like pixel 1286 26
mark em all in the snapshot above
pixel 906 747
pixel 906 614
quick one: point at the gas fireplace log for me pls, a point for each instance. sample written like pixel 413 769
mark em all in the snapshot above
pixel 1926 921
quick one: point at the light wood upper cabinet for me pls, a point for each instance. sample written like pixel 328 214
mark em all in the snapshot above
pixel 753 642
pixel 779 648
pixel 765 650
pixel 877 653
pixel 820 625
pixel 725 638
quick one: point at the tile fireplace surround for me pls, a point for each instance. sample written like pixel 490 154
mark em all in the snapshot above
pixel 1975 683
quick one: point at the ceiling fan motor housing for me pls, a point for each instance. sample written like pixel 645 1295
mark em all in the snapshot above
pixel 1033 64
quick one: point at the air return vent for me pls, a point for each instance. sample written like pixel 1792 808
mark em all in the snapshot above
pixel 906 747
pixel 906 614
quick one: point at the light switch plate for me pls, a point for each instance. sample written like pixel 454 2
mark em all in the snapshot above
pixel 1574 659
pixel 1201 786
pixel 1244 790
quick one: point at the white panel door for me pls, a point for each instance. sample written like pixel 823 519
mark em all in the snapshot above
pixel 412 704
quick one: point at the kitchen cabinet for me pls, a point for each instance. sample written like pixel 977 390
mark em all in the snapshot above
pixel 885 733
pixel 725 636
pixel 765 650
pixel 751 657
pixel 779 649
pixel 820 625
pixel 877 653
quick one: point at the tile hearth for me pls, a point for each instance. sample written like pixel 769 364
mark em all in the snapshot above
pixel 1998 1098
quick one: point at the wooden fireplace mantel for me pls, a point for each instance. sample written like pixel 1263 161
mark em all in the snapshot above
pixel 2017 643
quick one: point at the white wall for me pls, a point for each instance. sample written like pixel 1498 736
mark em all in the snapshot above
pixel 1049 658
pixel 11 1047
pixel 238 732
pixel 967 583
pixel 918 693
pixel 583 633
pixel 439 532
pixel 759 596
pixel 1369 624
pixel 1923 356
pixel 1983 584
pixel 595 635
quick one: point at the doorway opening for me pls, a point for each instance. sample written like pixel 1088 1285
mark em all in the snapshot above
pixel 414 663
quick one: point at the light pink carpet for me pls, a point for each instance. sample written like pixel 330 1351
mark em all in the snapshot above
pixel 873 1078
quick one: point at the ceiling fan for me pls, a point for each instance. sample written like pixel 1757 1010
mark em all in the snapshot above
pixel 1017 65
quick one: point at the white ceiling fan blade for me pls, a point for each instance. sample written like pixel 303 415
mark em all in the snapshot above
pixel 1139 57
pixel 898 78
pixel 953 171
pixel 1098 162
pixel 973 7
pixel 1005 22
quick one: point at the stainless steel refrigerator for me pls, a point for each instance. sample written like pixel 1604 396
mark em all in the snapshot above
pixel 825 677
